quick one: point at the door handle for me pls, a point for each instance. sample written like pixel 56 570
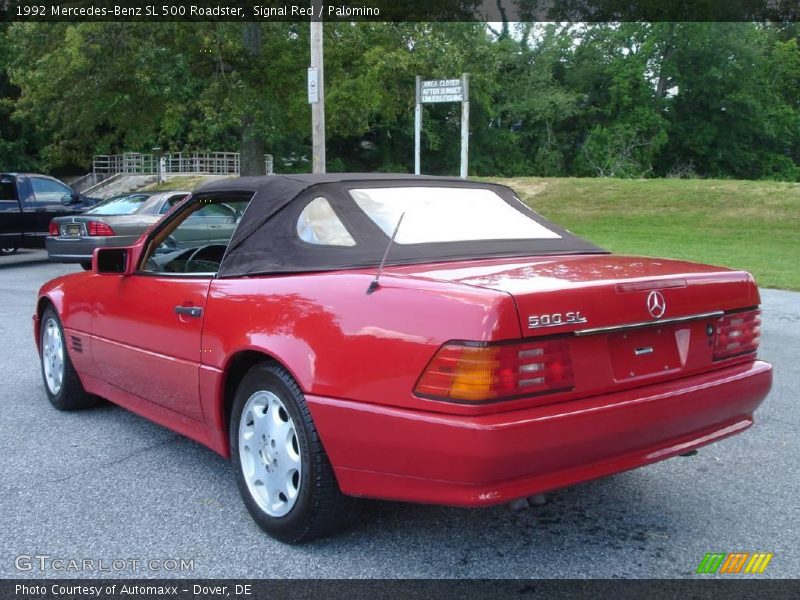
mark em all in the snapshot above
pixel 191 311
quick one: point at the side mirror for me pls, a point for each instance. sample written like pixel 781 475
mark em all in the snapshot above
pixel 118 261
pixel 72 198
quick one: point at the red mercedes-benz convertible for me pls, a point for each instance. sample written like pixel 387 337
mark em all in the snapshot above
pixel 401 337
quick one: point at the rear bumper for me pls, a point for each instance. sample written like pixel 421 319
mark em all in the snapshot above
pixel 415 456
pixel 81 249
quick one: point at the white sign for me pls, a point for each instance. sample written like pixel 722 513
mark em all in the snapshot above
pixel 313 85
pixel 441 90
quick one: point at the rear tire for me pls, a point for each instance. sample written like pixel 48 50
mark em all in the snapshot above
pixel 281 468
pixel 64 388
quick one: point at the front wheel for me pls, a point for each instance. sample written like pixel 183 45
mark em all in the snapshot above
pixel 61 382
pixel 281 468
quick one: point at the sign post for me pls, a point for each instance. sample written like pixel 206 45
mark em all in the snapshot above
pixel 464 124
pixel 417 128
pixel 443 90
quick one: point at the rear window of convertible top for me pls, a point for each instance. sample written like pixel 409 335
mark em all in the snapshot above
pixel 447 214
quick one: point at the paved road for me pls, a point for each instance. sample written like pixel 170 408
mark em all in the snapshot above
pixel 105 484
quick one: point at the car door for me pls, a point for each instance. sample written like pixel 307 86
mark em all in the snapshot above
pixel 221 221
pixel 147 326
pixel 193 231
pixel 10 217
pixel 146 336
pixel 41 203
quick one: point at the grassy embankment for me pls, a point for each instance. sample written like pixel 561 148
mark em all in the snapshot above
pixel 750 225
pixel 180 182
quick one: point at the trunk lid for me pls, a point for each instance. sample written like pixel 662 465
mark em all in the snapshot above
pixel 600 291
pixel 630 320
pixel 121 224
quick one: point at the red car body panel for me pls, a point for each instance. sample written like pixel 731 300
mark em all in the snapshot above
pixel 357 358
pixel 490 459
pixel 165 353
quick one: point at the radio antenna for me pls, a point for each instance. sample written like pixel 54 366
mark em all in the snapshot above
pixel 373 285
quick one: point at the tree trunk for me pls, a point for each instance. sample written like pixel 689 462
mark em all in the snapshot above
pixel 669 48
pixel 252 150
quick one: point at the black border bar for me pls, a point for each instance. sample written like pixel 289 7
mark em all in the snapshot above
pixel 401 10
pixel 700 587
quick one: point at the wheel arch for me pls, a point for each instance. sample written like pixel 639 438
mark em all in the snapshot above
pixel 237 365
pixel 42 305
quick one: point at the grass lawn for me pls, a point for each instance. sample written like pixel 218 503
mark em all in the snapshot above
pixel 750 225
pixel 181 182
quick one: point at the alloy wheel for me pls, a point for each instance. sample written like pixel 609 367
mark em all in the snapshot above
pixel 269 453
pixel 53 356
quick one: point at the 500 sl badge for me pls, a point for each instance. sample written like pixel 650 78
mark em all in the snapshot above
pixel 555 319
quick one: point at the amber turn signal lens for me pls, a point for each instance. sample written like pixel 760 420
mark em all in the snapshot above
pixel 479 373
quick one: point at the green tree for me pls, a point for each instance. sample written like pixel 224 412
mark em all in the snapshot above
pixel 612 99
pixel 17 141
pixel 731 113
pixel 620 127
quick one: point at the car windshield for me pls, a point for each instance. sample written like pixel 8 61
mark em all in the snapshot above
pixel 447 214
pixel 120 205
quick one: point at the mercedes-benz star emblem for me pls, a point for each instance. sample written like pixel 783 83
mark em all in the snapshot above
pixel 656 305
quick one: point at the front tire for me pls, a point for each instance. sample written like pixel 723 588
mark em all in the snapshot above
pixel 281 468
pixel 64 388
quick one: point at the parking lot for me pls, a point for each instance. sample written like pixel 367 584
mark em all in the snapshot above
pixel 107 485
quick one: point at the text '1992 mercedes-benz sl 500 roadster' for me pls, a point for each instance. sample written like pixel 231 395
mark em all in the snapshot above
pixel 410 338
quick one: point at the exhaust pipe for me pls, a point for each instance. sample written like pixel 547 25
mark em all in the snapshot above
pixel 525 503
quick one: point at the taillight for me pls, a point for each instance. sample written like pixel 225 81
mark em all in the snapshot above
pixel 737 333
pixel 472 373
pixel 98 228
pixel 53 229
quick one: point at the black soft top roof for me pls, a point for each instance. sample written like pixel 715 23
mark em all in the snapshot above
pixel 266 239
pixel 287 185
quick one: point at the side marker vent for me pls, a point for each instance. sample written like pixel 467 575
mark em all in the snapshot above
pixel 77 344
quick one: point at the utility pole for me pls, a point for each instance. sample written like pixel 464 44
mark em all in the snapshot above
pixel 317 103
pixel 418 128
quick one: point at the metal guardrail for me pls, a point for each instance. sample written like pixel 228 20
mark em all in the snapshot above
pixel 195 163
pixel 211 163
